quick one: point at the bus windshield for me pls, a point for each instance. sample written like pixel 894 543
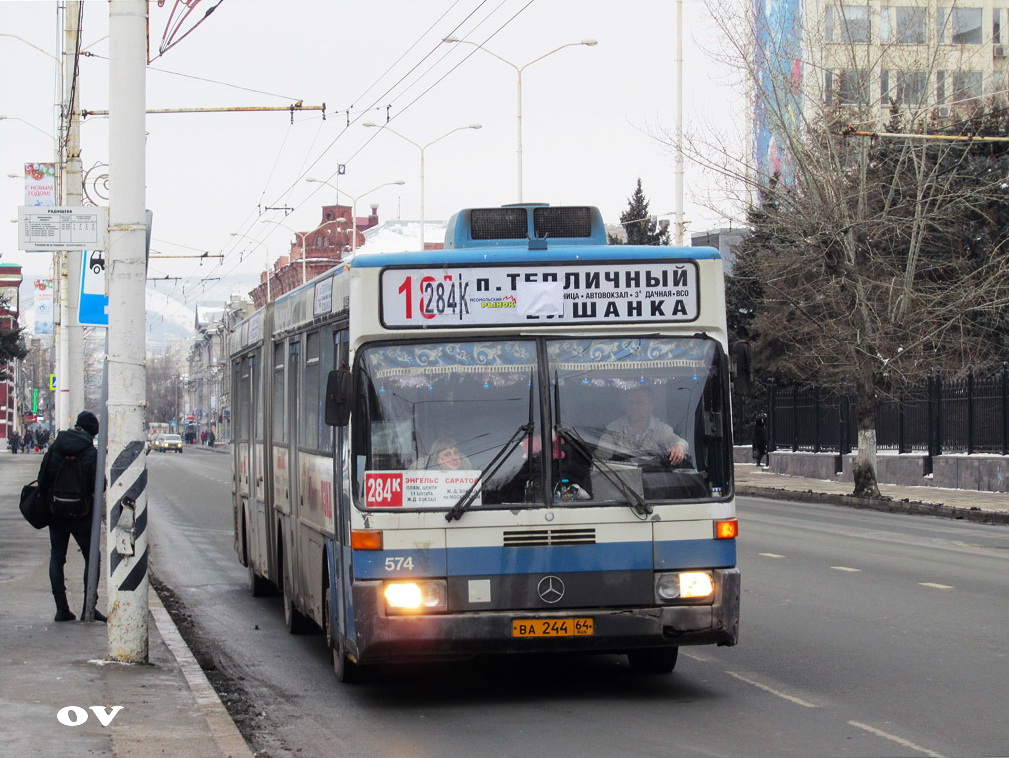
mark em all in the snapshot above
pixel 560 421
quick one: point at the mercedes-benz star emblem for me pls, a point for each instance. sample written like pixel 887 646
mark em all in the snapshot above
pixel 550 589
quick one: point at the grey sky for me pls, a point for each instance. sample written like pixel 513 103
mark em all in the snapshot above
pixel 587 112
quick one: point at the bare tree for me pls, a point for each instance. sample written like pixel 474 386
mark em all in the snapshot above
pixel 163 394
pixel 874 258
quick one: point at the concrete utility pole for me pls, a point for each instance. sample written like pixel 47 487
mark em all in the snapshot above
pixel 126 499
pixel 678 167
pixel 73 194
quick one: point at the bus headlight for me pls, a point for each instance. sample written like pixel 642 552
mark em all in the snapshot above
pixel 424 596
pixel 683 585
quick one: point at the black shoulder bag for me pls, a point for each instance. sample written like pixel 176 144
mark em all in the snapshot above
pixel 33 509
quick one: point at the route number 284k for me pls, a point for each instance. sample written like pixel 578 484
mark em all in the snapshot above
pixel 434 298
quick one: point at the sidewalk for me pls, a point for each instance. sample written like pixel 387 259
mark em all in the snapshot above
pixel 971 505
pixel 168 706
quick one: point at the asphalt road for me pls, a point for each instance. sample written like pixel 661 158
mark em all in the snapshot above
pixel 862 634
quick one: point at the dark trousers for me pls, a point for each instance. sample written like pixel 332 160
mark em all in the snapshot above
pixel 59 540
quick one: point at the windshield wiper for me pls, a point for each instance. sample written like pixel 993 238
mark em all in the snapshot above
pixel 634 499
pixel 464 502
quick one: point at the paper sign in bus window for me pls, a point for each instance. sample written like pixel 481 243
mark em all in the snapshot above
pixel 418 489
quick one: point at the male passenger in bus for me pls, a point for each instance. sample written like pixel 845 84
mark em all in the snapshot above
pixel 639 434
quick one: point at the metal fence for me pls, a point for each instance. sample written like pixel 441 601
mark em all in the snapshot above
pixel 968 415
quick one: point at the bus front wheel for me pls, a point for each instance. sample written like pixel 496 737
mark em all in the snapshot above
pixel 345 669
pixel 656 660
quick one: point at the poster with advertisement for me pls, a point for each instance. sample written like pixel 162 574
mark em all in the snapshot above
pixel 40 184
pixel 43 306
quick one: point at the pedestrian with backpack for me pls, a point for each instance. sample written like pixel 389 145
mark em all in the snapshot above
pixel 66 483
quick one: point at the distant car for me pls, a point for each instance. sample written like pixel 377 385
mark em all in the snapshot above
pixel 165 442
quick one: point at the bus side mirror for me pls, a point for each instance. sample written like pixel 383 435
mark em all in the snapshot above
pixel 338 397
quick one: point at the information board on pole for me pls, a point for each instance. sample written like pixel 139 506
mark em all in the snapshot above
pixel 43 229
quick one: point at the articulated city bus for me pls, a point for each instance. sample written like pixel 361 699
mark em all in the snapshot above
pixel 519 443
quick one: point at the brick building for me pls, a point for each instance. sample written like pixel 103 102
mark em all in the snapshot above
pixel 315 251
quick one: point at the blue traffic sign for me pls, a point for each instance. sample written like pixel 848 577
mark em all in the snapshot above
pixel 94 303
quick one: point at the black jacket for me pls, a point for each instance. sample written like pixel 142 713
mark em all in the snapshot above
pixel 760 436
pixel 68 442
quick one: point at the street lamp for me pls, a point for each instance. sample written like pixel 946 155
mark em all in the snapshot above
pixel 266 250
pixel 36 128
pixel 353 208
pixel 518 71
pixel 422 148
pixel 303 235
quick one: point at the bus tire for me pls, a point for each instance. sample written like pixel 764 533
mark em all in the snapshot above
pixel 345 669
pixel 655 660
pixel 294 620
pixel 258 586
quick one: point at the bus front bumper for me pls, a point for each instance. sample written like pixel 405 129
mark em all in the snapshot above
pixel 382 638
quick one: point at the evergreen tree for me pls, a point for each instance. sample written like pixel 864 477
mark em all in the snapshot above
pixel 641 228
pixel 12 345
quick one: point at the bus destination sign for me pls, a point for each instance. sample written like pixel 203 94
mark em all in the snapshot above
pixel 611 293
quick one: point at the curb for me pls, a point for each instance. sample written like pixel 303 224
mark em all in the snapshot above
pixel 884 505
pixel 228 738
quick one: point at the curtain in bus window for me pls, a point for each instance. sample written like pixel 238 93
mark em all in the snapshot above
pixel 279 420
pixel 451 406
pixel 242 404
pixel 257 399
pixel 309 422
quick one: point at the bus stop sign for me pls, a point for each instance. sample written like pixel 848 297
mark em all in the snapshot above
pixel 94 303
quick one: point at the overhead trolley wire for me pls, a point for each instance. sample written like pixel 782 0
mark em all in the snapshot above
pixel 247 226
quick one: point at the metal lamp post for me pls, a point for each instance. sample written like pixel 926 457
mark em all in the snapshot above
pixel 353 209
pixel 302 235
pixel 29 123
pixel 422 148
pixel 518 72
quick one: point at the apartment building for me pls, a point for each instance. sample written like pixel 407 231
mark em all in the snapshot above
pixel 926 60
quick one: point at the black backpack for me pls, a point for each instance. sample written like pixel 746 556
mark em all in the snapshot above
pixel 70 497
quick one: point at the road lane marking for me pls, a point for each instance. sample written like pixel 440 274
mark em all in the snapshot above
pixel 936 586
pixel 899 740
pixel 845 568
pixel 695 656
pixel 771 555
pixel 778 693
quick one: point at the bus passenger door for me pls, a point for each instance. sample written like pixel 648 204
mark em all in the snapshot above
pixel 260 517
pixel 295 580
pixel 342 614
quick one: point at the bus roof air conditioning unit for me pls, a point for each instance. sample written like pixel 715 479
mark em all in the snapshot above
pixel 534 224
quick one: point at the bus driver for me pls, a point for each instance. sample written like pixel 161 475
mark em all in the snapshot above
pixel 639 433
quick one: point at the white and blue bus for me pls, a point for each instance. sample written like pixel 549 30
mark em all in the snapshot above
pixel 519 443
